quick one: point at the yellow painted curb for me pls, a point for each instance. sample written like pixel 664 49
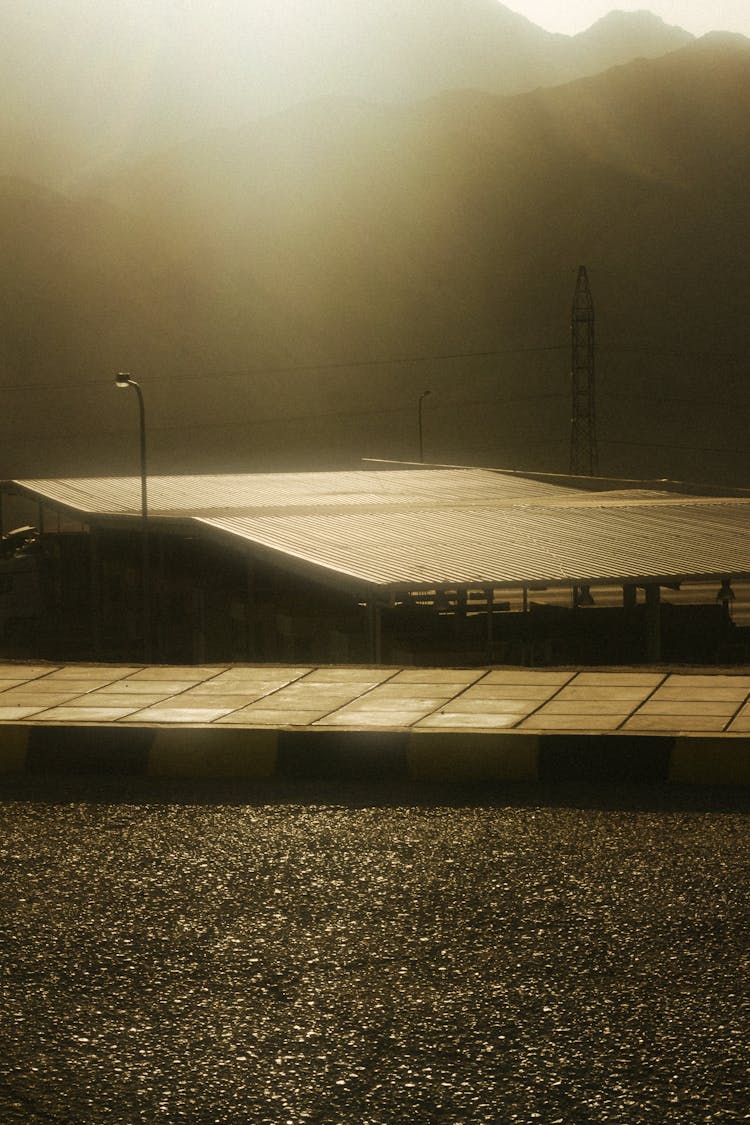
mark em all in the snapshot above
pixel 198 752
pixel 13 743
pixel 710 761
pixel 449 756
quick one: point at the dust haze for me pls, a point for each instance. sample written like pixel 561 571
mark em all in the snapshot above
pixel 288 224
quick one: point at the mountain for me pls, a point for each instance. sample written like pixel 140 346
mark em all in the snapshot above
pixel 621 37
pixel 86 85
pixel 275 286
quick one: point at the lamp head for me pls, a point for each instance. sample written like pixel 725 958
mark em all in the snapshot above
pixel 122 379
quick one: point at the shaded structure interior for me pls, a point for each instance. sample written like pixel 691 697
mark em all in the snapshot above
pixel 414 566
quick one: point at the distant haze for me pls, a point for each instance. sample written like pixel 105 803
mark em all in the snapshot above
pixel 289 220
pixel 696 16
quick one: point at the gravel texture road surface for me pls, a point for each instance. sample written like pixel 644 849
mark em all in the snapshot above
pixel 315 953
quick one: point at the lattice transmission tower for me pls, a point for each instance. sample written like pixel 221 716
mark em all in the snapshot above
pixel 584 458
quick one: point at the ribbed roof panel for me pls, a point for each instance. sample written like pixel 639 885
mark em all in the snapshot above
pixel 483 546
pixel 442 527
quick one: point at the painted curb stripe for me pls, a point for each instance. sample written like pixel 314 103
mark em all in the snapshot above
pixel 711 761
pixel 331 754
pixel 605 757
pixel 89 749
pixel 13 745
pixel 438 756
pixel 446 756
pixel 203 753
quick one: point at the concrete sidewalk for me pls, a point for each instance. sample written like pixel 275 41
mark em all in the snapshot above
pixel 445 724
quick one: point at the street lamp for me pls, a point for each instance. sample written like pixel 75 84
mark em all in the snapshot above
pixel 122 381
pixel 422 397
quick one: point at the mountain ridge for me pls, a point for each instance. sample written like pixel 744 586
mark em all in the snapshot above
pixel 307 260
pixel 72 110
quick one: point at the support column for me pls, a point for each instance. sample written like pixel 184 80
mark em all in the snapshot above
pixel 251 644
pixel 653 623
pixel 629 595
pixel 95 592
pixel 374 631
pixel 159 622
pixel 490 595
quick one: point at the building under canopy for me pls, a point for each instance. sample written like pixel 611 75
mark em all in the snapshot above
pixel 423 565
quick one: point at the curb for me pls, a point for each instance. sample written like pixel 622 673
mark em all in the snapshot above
pixel 429 756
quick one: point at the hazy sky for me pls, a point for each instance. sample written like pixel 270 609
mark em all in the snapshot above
pixel 696 16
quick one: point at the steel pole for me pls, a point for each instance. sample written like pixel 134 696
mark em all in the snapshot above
pixel 145 544
pixel 422 397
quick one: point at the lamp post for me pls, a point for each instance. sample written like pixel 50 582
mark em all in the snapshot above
pixel 122 381
pixel 422 397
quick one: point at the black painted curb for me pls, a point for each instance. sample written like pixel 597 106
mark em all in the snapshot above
pixel 431 756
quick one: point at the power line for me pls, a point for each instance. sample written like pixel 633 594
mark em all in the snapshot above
pixel 733 404
pixel 360 364
pixel 672 353
pixel 670 445
pixel 293 369
pixel 277 420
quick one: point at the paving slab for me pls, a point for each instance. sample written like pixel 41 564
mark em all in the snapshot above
pixel 527 676
pixel 48 685
pixel 349 675
pixel 538 692
pixel 688 694
pixel 582 722
pixel 675 724
pixel 613 707
pixel 374 702
pixel 325 687
pixel 457 720
pixel 109 697
pixel 369 698
pixel 307 701
pixel 178 672
pixel 167 687
pixel 682 679
pixel 623 679
pixel 26 671
pixel 740 725
pixel 623 692
pixel 257 717
pixel 251 688
pixel 397 691
pixel 466 706
pixel 206 699
pixel 82 714
pixel 687 707
pixel 105 672
pixel 368 719
pixel 459 676
pixel 24 697
pixel 13 714
pixel 178 715
pixel 276 672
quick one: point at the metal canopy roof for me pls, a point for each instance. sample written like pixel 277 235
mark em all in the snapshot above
pixel 399 529
pixel 251 492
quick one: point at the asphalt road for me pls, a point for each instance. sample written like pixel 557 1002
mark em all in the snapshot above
pixel 312 953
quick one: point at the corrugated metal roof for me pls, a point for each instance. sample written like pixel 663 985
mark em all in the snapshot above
pixel 485 546
pixel 412 528
pixel 203 495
